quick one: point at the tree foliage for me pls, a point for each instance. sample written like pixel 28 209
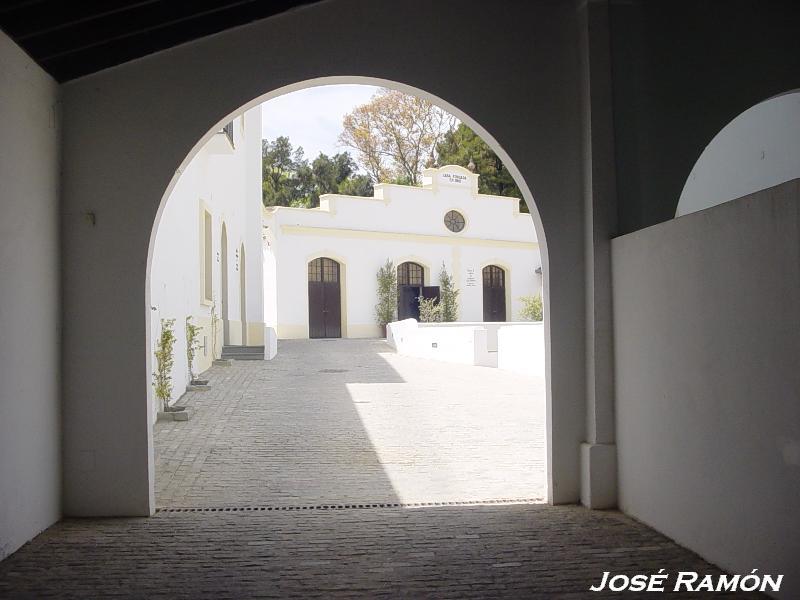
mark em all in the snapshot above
pixel 395 135
pixel 462 146
pixel 288 179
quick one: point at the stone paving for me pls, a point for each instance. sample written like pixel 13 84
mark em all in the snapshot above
pixel 337 423
pixel 344 421
pixel 522 551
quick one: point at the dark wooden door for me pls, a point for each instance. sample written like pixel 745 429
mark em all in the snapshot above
pixel 408 302
pixel 494 294
pixel 409 288
pixel 324 299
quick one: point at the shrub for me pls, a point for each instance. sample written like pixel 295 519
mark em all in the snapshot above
pixel 192 333
pixel 532 309
pixel 448 297
pixel 162 378
pixel 387 294
pixel 430 310
pixel 214 330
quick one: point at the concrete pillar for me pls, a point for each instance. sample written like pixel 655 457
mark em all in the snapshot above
pixel 598 452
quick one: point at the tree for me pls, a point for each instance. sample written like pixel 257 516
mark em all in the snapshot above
pixel 289 179
pixel 395 135
pixel 357 185
pixel 462 146
pixel 448 296
pixel 387 294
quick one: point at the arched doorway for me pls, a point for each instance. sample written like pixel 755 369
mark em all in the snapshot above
pixel 494 294
pixel 410 281
pixel 223 290
pixel 324 299
pixel 335 324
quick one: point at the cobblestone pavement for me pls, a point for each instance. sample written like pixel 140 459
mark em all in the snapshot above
pixel 343 421
pixel 521 551
pixel 338 423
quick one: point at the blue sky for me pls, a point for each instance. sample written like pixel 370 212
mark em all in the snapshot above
pixel 312 118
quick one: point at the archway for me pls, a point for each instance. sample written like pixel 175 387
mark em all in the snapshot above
pixel 325 316
pixel 758 149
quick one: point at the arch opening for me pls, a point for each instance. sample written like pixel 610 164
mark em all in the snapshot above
pixel 327 269
pixel 758 149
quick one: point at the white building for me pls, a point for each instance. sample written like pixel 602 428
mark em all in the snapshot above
pixel 321 263
pixel 207 250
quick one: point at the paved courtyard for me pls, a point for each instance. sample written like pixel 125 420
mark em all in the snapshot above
pixel 349 421
pixel 253 490
pixel 515 552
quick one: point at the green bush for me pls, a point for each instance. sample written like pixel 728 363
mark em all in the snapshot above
pixel 192 335
pixel 387 294
pixel 532 309
pixel 430 311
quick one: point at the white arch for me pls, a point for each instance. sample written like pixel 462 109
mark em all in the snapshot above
pixel 463 117
pixel 758 149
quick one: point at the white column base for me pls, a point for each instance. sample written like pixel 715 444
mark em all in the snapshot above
pixel 270 343
pixel 599 475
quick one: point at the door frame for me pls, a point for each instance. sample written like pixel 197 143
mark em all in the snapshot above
pixel 507 268
pixel 342 287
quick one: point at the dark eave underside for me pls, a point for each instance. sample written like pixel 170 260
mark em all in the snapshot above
pixel 70 39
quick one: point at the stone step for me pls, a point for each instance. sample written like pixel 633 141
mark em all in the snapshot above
pixel 243 352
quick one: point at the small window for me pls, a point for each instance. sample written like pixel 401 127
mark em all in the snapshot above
pixel 454 221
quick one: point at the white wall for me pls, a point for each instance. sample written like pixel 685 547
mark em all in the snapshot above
pixel 158 107
pixel 466 344
pixel 402 223
pixel 520 348
pixel 30 457
pixel 707 334
pixel 758 149
pixel 226 182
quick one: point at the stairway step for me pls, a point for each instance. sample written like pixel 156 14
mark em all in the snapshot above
pixel 242 349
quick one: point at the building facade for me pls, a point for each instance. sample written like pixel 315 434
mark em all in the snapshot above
pixel 206 261
pixel 321 264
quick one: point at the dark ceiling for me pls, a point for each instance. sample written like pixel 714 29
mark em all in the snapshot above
pixel 71 38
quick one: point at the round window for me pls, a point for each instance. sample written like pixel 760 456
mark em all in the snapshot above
pixel 454 221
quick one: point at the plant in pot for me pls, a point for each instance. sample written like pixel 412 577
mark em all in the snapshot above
pixel 192 345
pixel 162 378
pixel 387 295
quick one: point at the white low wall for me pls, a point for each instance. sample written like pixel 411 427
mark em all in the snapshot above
pixel 466 345
pixel 520 348
pixel 514 346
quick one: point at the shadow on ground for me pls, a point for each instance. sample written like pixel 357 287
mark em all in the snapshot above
pixel 348 421
pixel 523 551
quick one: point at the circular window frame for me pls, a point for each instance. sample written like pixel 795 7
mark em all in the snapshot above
pixel 463 221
